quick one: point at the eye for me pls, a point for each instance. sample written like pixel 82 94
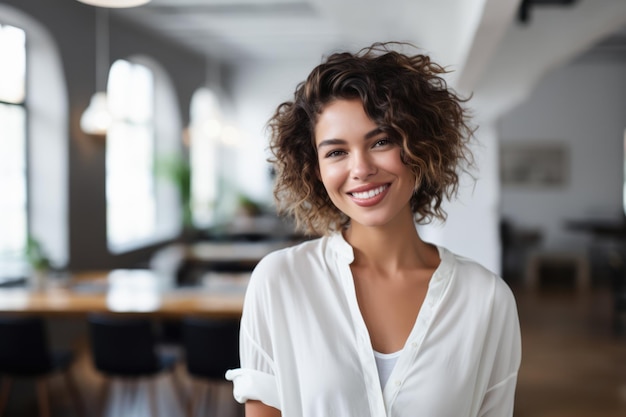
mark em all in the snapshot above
pixel 382 142
pixel 334 154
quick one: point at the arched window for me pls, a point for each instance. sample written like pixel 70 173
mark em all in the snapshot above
pixel 13 165
pixel 130 193
pixel 140 209
pixel 34 146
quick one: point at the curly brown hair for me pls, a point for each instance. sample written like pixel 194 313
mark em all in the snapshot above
pixel 406 96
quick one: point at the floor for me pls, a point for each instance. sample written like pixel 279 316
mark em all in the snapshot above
pixel 573 363
pixel 573 366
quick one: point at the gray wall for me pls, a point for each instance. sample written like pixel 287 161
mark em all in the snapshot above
pixel 584 106
pixel 72 25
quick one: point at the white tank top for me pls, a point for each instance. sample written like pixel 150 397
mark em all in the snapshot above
pixel 385 363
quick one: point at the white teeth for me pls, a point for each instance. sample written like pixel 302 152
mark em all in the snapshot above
pixel 370 193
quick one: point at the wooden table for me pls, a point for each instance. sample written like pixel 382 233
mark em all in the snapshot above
pixel 131 292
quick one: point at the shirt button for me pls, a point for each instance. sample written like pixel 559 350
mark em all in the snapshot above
pixel 397 382
pixel 414 345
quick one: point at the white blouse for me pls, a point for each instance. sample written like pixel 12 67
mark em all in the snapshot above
pixel 305 348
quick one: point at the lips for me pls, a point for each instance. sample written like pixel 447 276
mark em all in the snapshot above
pixel 369 196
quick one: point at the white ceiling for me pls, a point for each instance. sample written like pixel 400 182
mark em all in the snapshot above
pixel 482 40
pixel 295 29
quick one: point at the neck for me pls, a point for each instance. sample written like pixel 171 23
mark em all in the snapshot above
pixel 390 247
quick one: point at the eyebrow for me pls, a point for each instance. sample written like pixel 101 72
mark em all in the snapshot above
pixel 331 142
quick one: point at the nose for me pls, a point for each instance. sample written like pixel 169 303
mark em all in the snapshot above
pixel 362 166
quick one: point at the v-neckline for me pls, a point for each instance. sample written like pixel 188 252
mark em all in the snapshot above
pixel 435 290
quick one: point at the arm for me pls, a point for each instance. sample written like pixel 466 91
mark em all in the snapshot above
pixel 498 401
pixel 255 383
pixel 499 398
pixel 258 409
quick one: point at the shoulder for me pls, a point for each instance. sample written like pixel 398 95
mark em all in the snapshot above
pixel 483 296
pixel 292 257
pixel 286 279
pixel 479 279
pixel 468 268
pixel 294 262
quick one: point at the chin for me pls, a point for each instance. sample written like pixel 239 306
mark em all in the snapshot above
pixel 370 222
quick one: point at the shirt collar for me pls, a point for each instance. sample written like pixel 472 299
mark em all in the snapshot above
pixel 343 250
pixel 338 244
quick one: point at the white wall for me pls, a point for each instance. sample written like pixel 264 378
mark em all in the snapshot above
pixel 471 228
pixel 257 89
pixel 583 105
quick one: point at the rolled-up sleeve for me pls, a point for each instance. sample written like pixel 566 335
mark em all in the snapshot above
pixel 256 378
pixel 250 384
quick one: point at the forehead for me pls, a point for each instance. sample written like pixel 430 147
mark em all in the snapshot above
pixel 341 118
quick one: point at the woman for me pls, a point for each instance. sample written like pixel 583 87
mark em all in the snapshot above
pixel 370 320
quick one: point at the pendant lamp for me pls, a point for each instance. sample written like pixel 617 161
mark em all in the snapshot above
pixel 115 3
pixel 96 118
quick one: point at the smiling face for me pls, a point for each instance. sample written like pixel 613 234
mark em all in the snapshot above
pixel 361 167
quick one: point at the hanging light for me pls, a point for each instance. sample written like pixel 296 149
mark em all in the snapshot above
pixel 96 118
pixel 115 3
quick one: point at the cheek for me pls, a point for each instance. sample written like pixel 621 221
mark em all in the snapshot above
pixel 331 176
pixel 393 162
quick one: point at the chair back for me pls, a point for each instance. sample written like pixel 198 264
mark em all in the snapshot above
pixel 24 348
pixel 123 346
pixel 211 346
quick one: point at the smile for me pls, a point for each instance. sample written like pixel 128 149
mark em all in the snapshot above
pixel 369 193
pixel 371 197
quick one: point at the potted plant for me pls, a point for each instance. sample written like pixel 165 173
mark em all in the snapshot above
pixel 177 170
pixel 39 263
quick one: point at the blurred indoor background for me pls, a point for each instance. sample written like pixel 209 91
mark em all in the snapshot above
pixel 178 159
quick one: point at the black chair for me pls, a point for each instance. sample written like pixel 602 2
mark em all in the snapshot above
pixel 617 265
pixel 211 348
pixel 25 353
pixel 125 348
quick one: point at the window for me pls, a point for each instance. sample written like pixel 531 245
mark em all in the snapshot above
pixel 142 207
pixel 130 153
pixel 205 132
pixel 13 166
pixel 34 144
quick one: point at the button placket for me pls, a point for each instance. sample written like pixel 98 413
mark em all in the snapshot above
pixel 364 349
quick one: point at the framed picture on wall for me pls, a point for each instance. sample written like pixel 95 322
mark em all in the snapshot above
pixel 534 163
